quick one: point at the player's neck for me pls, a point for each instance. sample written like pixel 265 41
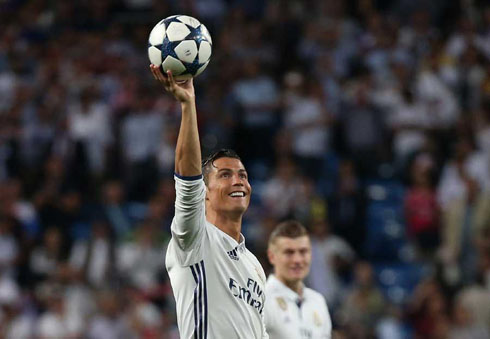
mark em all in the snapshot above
pixel 231 224
pixel 295 285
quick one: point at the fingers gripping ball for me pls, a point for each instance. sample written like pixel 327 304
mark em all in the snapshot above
pixel 180 44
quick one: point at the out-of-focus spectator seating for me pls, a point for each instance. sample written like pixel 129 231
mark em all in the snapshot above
pixel 368 121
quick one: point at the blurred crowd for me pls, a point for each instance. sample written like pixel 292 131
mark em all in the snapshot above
pixel 367 120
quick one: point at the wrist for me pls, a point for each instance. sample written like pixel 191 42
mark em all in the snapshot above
pixel 191 100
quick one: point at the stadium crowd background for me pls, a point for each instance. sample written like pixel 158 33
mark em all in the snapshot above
pixel 369 121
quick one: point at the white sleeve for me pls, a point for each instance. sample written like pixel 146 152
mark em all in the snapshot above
pixel 189 222
pixel 268 314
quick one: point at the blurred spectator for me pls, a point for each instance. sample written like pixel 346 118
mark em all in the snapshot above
pixel 332 257
pixel 46 259
pixel 408 122
pixel 94 258
pixel 434 95
pixel 115 209
pixel 9 246
pixel 142 261
pixel 89 124
pixel 482 128
pixel 364 304
pixel 428 310
pixel 141 132
pixel 109 322
pixel 362 127
pixel 475 298
pixel 40 135
pixel 465 326
pixel 257 99
pixel 422 210
pixel 284 190
pixel 14 323
pixel 53 323
pixel 161 205
pixel 306 119
pixel 78 298
pixel 346 206
pixel 462 201
pixel 391 326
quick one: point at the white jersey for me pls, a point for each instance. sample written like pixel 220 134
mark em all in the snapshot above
pixel 218 284
pixel 287 316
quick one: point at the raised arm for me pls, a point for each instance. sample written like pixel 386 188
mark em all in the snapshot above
pixel 190 219
pixel 188 149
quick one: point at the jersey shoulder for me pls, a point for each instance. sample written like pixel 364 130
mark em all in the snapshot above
pixel 176 256
pixel 316 297
pixel 271 287
pixel 257 264
pixel 311 293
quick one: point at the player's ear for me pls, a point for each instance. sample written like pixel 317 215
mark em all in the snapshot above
pixel 207 192
pixel 270 255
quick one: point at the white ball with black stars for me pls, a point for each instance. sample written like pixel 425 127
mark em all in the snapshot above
pixel 181 44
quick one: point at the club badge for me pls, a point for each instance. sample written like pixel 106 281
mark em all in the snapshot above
pixel 282 303
pixel 316 319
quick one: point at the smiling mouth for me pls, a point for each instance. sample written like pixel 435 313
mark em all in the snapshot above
pixel 237 194
pixel 297 269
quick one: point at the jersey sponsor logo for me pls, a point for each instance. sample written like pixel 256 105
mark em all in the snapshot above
pixel 316 319
pixel 200 301
pixel 233 254
pixel 282 303
pixel 249 294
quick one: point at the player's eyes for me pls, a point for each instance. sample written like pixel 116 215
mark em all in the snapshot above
pixel 243 176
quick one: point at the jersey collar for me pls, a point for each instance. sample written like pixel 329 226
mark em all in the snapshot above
pixel 232 242
pixel 278 285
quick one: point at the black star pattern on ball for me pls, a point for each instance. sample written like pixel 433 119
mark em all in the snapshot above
pixel 196 34
pixel 170 19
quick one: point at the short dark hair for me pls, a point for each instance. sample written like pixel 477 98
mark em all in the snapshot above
pixel 208 162
pixel 289 229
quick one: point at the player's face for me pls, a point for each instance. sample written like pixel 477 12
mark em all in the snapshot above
pixel 291 258
pixel 228 186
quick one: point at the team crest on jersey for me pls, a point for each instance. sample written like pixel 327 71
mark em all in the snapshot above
pixel 233 254
pixel 316 319
pixel 282 303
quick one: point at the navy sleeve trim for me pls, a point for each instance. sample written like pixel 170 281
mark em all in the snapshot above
pixel 195 177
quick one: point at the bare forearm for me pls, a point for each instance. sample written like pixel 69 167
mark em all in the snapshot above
pixel 188 150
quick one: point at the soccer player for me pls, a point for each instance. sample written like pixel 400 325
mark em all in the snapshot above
pixel 292 310
pixel 217 282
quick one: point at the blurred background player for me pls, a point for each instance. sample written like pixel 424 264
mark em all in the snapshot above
pixel 217 282
pixel 293 310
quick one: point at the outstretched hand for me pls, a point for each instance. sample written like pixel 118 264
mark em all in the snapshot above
pixel 182 91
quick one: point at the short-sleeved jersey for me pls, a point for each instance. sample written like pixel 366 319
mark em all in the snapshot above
pixel 287 316
pixel 218 284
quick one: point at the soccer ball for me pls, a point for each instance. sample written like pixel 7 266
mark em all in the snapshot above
pixel 181 44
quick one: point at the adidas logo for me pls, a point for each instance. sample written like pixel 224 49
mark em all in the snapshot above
pixel 233 254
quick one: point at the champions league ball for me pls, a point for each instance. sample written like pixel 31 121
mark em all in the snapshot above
pixel 181 44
